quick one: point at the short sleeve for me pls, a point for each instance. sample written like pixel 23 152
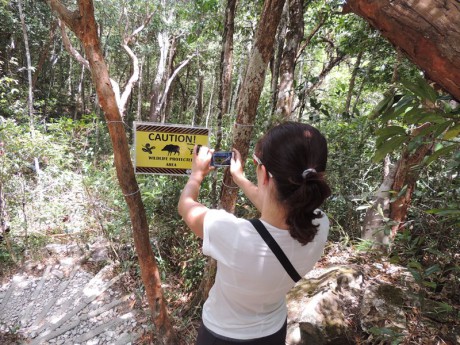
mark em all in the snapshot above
pixel 219 231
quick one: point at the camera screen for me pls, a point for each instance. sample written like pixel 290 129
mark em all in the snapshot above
pixel 221 159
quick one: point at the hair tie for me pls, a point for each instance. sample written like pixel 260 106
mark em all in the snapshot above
pixel 307 172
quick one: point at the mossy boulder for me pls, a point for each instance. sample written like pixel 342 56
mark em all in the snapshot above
pixel 319 309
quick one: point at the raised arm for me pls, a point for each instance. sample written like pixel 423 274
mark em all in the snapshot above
pixel 192 211
pixel 249 189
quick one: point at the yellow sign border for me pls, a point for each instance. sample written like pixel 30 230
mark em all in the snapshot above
pixel 166 149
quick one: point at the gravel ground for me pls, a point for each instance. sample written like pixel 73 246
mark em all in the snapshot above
pixel 63 303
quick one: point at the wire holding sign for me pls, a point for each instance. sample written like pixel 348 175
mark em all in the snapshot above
pixel 166 149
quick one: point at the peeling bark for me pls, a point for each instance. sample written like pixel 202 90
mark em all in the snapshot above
pixel 407 173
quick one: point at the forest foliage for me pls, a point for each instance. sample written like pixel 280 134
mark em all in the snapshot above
pixel 73 190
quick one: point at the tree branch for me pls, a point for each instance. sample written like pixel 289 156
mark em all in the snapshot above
pixel 171 78
pixel 135 61
pixel 69 47
pixel 71 18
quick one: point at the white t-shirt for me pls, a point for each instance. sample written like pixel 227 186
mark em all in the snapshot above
pixel 247 299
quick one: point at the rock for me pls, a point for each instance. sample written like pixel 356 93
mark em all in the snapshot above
pixel 319 309
pixel 99 251
pixel 382 308
pixel 62 249
pixel 58 274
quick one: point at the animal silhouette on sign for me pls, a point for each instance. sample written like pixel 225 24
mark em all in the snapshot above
pixel 147 148
pixel 172 149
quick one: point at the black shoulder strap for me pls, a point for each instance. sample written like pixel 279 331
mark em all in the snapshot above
pixel 268 238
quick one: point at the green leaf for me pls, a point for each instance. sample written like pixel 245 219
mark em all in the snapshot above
pixel 421 89
pixel 402 191
pixel 430 284
pixel 452 133
pixel 387 132
pixel 433 117
pixel 388 147
pixel 390 131
pixel 402 106
pixel 432 269
pixel 443 307
pixel 383 105
pixel 415 274
pixel 415 264
pixel 444 212
pixel 415 116
pixel 440 152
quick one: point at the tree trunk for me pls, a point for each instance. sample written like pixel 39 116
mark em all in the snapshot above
pixel 374 220
pixel 248 98
pixel 135 75
pixel 44 54
pixel 4 223
pixel 170 98
pixel 160 77
pixel 139 93
pixel 426 31
pixel 351 85
pixel 246 108
pixel 407 173
pixel 199 110
pixel 226 65
pixel 275 62
pixel 162 102
pixel 83 24
pixel 333 62
pixel 79 95
pixel 30 98
pixel 288 63
pixel 373 224
pixel 225 83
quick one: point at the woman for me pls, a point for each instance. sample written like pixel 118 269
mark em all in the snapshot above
pixel 247 302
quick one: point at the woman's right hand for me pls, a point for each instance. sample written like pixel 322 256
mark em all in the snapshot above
pixel 236 166
pixel 201 162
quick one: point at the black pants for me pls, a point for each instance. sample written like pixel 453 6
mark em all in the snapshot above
pixel 206 337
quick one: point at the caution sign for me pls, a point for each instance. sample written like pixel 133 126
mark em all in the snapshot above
pixel 166 149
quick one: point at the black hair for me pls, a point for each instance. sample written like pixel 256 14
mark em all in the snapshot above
pixel 296 155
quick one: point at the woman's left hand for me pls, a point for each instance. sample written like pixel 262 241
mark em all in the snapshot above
pixel 236 166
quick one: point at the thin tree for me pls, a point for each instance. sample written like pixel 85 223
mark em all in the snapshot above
pixel 351 85
pixel 246 108
pixel 44 53
pixel 379 210
pixel 83 24
pixel 30 93
pixel 294 36
pixel 225 78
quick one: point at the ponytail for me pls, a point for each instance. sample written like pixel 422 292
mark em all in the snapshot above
pixel 302 207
